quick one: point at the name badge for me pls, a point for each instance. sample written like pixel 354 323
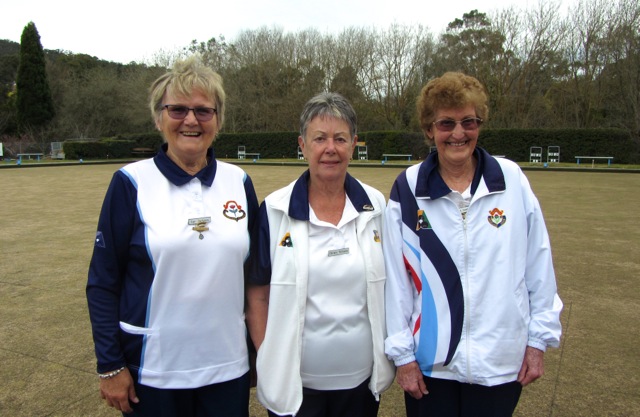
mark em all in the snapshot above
pixel 338 252
pixel 199 220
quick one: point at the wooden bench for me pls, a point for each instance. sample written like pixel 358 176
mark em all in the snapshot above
pixel 386 156
pixel 37 155
pixel 593 159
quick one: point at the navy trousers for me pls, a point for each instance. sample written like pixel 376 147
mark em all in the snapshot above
pixel 355 402
pixel 455 399
pixel 226 399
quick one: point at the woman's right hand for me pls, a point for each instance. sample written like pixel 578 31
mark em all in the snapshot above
pixel 411 380
pixel 118 391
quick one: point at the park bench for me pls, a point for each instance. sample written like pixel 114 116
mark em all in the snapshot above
pixel 386 156
pixel 143 151
pixel 242 153
pixel 37 155
pixel 245 154
pixel 593 159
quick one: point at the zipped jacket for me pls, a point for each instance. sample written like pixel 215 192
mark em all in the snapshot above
pixel 466 294
pixel 284 256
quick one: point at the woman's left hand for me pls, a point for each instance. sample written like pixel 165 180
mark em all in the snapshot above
pixel 532 366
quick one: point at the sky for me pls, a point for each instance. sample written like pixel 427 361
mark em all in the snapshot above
pixel 135 30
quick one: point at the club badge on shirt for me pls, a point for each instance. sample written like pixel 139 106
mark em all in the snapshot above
pixel 497 218
pixel 423 221
pixel 232 210
pixel 286 241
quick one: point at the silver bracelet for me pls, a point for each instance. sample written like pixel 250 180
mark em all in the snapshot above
pixel 111 374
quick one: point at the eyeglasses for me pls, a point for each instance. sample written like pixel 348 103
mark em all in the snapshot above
pixel 203 114
pixel 447 125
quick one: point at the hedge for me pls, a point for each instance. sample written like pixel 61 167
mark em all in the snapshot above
pixel 121 146
pixel 515 144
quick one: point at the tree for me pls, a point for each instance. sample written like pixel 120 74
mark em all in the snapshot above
pixel 474 46
pixel 346 83
pixel 532 62
pixel 8 70
pixel 102 100
pixel 620 79
pixel 471 45
pixel 391 72
pixel 212 52
pixel 33 103
pixel 587 52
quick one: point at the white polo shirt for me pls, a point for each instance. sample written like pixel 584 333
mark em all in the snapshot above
pixel 337 351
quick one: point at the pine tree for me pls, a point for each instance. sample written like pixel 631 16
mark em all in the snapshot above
pixel 33 102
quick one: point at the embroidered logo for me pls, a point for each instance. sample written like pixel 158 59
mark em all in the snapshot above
pixel 233 211
pixel 423 222
pixel 376 236
pixel 286 241
pixel 497 218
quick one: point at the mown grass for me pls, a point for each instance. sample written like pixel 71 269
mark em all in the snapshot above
pixel 47 221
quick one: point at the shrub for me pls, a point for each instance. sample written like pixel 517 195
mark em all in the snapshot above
pixel 515 144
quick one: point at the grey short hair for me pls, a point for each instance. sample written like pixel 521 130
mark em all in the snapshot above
pixel 329 105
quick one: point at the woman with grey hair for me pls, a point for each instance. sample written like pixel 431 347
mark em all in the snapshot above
pixel 315 306
pixel 166 280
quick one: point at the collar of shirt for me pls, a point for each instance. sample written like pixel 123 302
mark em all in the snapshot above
pixel 177 176
pixel 431 185
pixel 299 202
pixel 349 213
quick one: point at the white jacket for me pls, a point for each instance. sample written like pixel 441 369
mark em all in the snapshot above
pixel 286 213
pixel 465 296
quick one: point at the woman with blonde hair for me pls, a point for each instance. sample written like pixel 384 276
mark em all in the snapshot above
pixel 166 280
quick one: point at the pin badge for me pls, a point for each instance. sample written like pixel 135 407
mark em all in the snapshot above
pixel 200 225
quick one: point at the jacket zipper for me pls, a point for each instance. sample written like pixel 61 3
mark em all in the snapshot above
pixel 466 291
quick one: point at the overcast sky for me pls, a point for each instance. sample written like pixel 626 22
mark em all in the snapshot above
pixel 133 30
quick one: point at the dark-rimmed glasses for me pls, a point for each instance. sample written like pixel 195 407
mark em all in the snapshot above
pixel 178 112
pixel 447 125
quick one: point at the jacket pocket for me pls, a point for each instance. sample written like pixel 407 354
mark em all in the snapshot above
pixel 131 329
